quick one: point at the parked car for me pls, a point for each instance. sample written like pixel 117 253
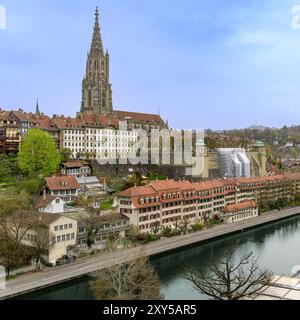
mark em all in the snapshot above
pixel 66 259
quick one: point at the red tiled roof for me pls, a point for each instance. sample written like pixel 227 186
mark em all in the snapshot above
pixel 62 183
pixel 44 200
pixel 248 204
pixel 22 116
pixel 170 185
pixel 138 191
pixel 67 123
pixel 75 164
pixel 5 115
pixel 140 117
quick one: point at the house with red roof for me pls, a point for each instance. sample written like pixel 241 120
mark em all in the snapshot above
pixel 64 187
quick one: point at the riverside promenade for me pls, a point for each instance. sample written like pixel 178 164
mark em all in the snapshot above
pixel 34 281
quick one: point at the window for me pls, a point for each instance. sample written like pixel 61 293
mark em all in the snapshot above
pixel 73 236
pixel 68 236
pixel 63 238
pixel 65 226
pixel 57 200
pixel 56 228
pixel 58 239
pixel 70 225
pixel 61 227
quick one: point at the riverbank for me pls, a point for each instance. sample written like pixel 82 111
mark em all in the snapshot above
pixel 62 274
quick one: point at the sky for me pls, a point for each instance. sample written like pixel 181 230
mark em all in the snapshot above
pixel 216 64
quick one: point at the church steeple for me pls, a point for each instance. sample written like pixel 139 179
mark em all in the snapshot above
pixel 37 109
pixel 97 40
pixel 96 88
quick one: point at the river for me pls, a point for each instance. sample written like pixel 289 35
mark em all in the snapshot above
pixel 277 245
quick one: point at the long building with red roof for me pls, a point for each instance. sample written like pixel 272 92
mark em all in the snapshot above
pixel 169 202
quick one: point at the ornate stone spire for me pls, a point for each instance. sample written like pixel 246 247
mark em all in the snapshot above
pixel 96 88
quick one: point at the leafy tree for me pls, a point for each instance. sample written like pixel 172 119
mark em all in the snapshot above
pixel 66 155
pixel 230 280
pixel 294 153
pixel 31 185
pixel 8 166
pixel 135 280
pixel 38 153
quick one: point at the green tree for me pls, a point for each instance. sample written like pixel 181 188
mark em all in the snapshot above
pixel 294 153
pixel 66 155
pixel 38 154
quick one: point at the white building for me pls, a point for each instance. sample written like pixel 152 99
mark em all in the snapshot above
pixel 50 204
pixel 61 231
pixel 99 137
pixel 240 211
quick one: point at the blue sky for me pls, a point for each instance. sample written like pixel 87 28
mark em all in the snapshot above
pixel 203 63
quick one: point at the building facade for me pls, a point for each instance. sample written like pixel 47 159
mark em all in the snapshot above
pixel 169 203
pixel 60 231
pixel 65 187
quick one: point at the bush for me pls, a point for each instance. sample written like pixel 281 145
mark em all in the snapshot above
pixel 152 237
pixel 32 186
pixel 71 204
pixel 198 227
pixel 167 232
pixel 142 237
pixel 46 263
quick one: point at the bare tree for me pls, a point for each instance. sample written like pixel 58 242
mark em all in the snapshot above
pixel 135 280
pixel 227 280
pixel 41 245
pixel 15 218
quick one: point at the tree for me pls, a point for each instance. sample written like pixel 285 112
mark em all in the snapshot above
pixel 227 280
pixel 38 153
pixel 10 256
pixel 294 153
pixel 41 245
pixel 8 166
pixel 135 280
pixel 66 155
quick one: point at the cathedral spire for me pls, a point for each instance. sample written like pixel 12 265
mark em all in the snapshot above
pixel 37 110
pixel 97 40
pixel 96 87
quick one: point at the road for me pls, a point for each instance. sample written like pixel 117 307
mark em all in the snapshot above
pixel 30 282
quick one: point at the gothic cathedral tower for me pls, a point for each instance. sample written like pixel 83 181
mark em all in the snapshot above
pixel 96 89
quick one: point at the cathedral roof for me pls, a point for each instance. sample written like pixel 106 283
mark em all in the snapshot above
pixel 139 117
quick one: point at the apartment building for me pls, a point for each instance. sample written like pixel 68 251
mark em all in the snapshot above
pixel 60 233
pixel 169 202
